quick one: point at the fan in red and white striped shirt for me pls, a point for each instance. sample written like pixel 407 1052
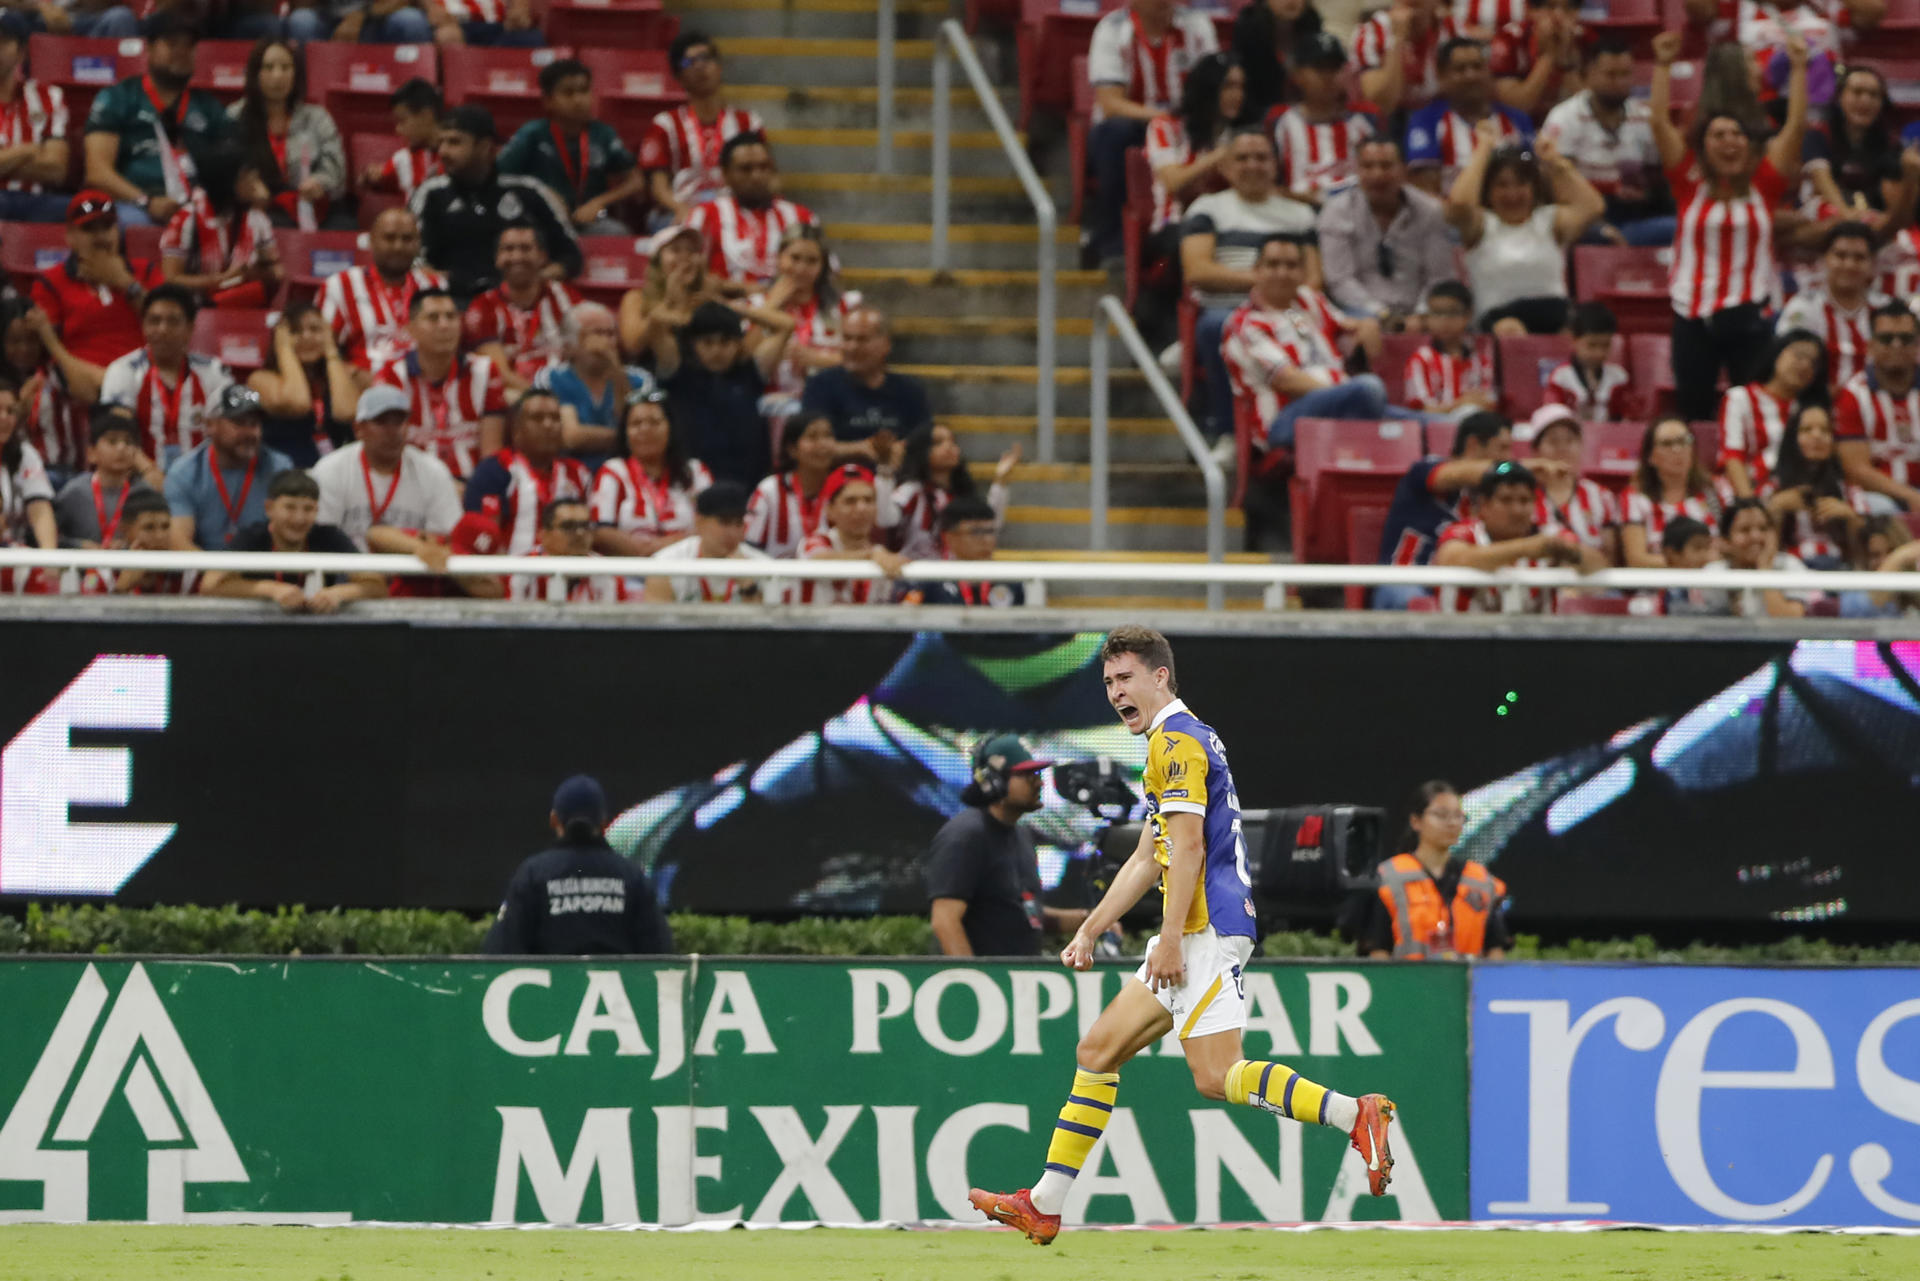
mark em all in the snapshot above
pixel 1602 396
pixel 1427 30
pixel 743 228
pixel 566 529
pixel 1168 147
pixel 1503 535
pixel 1262 341
pixel 1488 16
pixel 1723 250
pixel 520 324
pixel 514 486
pixel 367 307
pixel 458 412
pixel 1439 381
pixel 1753 418
pixel 1876 418
pixel 1320 155
pixel 1669 484
pixel 32 115
pixel 1147 69
pixel 851 504
pixel 1841 310
pixel 1567 502
pixel 683 147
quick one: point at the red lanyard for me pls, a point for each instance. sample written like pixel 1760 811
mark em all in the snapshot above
pixel 233 509
pixel 437 406
pixel 107 527
pixel 755 231
pixel 384 301
pixel 656 496
pixel 177 112
pixel 809 510
pixel 1157 55
pixel 379 509
pixel 169 401
pixel 707 139
pixel 576 164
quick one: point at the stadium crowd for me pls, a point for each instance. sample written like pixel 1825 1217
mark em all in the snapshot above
pixel 1328 237
pixel 447 385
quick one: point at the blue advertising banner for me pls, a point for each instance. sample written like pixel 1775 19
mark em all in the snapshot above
pixel 1685 1095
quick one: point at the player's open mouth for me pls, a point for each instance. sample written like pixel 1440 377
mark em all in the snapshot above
pixel 1127 712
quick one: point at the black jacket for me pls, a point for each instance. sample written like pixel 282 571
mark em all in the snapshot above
pixel 580 898
pixel 459 226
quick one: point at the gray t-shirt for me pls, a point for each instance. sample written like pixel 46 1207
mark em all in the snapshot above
pixel 77 509
pixel 1239 227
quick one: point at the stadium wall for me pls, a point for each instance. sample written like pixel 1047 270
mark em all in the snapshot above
pixel 1616 778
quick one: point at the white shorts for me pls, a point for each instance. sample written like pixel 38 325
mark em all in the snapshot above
pixel 1214 997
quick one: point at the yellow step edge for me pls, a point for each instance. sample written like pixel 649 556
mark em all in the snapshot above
pixel 978 233
pixel 987 327
pixel 1067 376
pixel 965 139
pixel 966 277
pixel 1007 424
pixel 802 47
pixel 899 184
pixel 848 95
pixel 1183 517
pixel 934 8
pixel 1065 473
pixel 1083 556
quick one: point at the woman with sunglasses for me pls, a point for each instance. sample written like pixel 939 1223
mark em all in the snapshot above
pixel 643 500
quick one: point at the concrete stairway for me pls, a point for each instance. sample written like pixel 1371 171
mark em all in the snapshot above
pixel 807 66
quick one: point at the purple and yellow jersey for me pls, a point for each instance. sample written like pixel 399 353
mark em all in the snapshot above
pixel 1187 774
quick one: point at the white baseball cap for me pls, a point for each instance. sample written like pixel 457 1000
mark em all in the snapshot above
pixel 381 399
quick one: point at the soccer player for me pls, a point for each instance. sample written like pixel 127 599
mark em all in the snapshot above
pixel 1190 980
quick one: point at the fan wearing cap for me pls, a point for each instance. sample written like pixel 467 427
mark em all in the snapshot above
pixel 384 494
pixel 1569 503
pixel 1501 535
pixel 293 507
pixel 91 298
pixel 580 898
pixel 715 387
pixel 851 510
pixel 1318 138
pixel 167 387
pixel 463 210
pixel 982 872
pixel 143 133
pixel 33 132
pixel 219 487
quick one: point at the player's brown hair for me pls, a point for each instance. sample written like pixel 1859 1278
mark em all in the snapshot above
pixel 1153 648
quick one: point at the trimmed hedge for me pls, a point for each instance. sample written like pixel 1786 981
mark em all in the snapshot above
pixel 295 931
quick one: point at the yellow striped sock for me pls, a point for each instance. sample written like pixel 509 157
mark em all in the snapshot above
pixel 1277 1088
pixel 1082 1121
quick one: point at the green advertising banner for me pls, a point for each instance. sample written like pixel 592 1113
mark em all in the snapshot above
pixel 469 1091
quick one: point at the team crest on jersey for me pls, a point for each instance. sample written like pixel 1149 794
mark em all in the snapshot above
pixel 510 206
pixel 1176 771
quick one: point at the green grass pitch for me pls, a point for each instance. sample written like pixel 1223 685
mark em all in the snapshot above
pixel 108 1252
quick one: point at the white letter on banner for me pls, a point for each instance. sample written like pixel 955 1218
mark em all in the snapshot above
pixel 1684 1077
pixel 804 1164
pixel 1086 997
pixel 497 1019
pixel 732 1008
pixel 894 1159
pixel 1335 1002
pixel 1037 995
pixel 990 1016
pixel 669 991
pixel 1132 1177
pixel 877 994
pixel 947 1152
pixel 1412 1200
pixel 678 1165
pixel 1266 1012
pixel 1218 1142
pixel 604 1008
pixel 1551 1047
pixel 604 1145
pixel 1893 1094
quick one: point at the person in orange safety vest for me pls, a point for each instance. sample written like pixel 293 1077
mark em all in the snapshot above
pixel 1431 903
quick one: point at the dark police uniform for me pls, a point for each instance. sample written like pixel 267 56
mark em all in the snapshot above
pixel 580 898
pixel 460 225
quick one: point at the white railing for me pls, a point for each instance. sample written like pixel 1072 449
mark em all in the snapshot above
pixel 953 37
pixel 1272 578
pixel 1109 317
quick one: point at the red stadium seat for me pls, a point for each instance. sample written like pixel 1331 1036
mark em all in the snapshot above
pixel 632 86
pixel 1340 464
pixel 504 81
pixel 311 256
pixel 1366 525
pixel 364 149
pixel 1632 282
pixel 1136 221
pixel 1650 364
pixel 1581 603
pixel 29 248
pixel 1898 32
pixel 82 68
pixel 355 81
pixel 1051 34
pixel 1397 349
pixel 220 67
pixel 610 24
pixel 1439 438
pixel 239 337
pixel 1611 453
pixel 1524 365
pixel 612 265
pixel 1635 21
pixel 1079 120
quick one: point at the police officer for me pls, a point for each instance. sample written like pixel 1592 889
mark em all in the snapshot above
pixel 982 872
pixel 579 898
pixel 1433 905
pixel 463 210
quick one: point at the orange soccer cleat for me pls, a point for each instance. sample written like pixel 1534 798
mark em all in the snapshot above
pixel 1369 1136
pixel 1015 1209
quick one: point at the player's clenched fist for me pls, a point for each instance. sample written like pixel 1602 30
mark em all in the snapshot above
pixel 1078 954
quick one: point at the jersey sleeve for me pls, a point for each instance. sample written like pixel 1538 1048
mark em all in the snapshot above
pixel 480 325
pixel 1848 422
pixel 1418 394
pixel 1105 65
pixel 656 148
pixel 1177 775
pixel 494 399
pixel 1734 427
pixel 1459 532
pixel 118 385
pixel 607 490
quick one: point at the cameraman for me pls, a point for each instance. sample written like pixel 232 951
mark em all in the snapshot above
pixel 982 873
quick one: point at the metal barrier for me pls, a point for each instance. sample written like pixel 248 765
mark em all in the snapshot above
pixel 1109 318
pixel 953 37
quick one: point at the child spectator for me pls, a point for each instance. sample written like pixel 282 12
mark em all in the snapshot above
pixel 1685 544
pixel 681 149
pixel 293 510
pixel 1318 139
pixel 969 531
pixel 1751 540
pixel 574 154
pixel 1448 374
pixel 716 388
pixel 719 533
pixel 1753 418
pixel 220 244
pixel 1670 485
pixel 1569 504
pixel 1819 512
pixel 931 476
pixel 146 525
pixel 416 118
pixel 566 529
pixel 1587 382
pixel 789 507
pixel 1503 534
pixel 89 509
pixel 851 508
pixel 645 499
